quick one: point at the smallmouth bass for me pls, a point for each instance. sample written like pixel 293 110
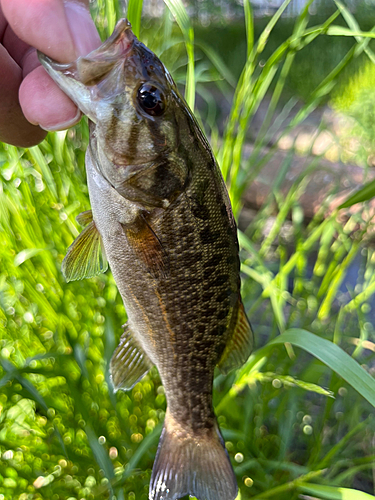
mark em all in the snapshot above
pixel 162 217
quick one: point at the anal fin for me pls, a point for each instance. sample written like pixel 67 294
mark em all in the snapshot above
pixel 240 343
pixel 85 257
pixel 129 362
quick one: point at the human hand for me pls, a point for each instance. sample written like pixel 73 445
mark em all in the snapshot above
pixel 30 101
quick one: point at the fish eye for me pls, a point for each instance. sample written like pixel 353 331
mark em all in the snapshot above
pixel 151 99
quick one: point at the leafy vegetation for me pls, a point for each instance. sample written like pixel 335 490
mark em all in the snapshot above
pixel 298 417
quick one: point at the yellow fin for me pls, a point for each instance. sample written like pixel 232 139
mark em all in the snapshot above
pixel 240 344
pixel 129 362
pixel 84 258
pixel 84 218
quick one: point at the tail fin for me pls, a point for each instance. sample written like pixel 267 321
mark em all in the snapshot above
pixel 188 465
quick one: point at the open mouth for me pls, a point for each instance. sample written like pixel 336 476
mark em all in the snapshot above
pixel 90 69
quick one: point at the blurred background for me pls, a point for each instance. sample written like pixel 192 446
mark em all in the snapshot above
pixel 285 93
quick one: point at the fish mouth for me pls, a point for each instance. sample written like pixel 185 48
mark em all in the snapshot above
pixel 89 79
pixel 90 69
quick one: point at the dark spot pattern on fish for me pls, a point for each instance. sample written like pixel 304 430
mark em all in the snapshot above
pixel 211 164
pixel 187 155
pixel 224 295
pixel 219 330
pixel 190 260
pixel 166 182
pixel 221 244
pixel 185 231
pixel 198 204
pixel 200 211
pixel 208 272
pixel 219 348
pixel 215 260
pixel 208 294
pixel 223 210
pixel 201 190
pixel 208 237
pixel 222 279
pixel 222 314
pixel 209 312
pixel 132 143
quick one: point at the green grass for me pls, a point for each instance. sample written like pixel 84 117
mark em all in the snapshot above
pixel 298 417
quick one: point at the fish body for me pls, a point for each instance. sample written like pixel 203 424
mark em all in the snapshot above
pixel 161 213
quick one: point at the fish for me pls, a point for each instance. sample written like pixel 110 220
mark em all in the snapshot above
pixel 162 219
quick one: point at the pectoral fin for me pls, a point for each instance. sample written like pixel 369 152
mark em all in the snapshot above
pixel 239 345
pixel 129 362
pixel 84 218
pixel 84 258
pixel 147 246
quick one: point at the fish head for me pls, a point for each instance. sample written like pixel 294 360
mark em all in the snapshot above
pixel 127 92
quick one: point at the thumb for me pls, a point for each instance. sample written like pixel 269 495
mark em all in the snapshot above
pixel 61 29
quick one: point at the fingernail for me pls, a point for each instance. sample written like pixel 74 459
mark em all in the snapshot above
pixel 63 125
pixel 82 27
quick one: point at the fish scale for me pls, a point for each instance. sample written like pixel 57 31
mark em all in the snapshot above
pixel 162 217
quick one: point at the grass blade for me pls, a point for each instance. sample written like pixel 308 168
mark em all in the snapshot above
pixel 290 486
pixel 249 22
pixel 334 357
pixel 333 493
pixel 364 194
pixel 179 13
pixel 263 39
pixel 335 282
pixel 40 163
pixel 341 31
pixel 353 25
pixel 110 11
pixel 218 62
pixel 100 453
pixel 134 15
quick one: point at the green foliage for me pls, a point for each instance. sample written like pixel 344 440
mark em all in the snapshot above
pixel 178 10
pixel 331 493
pixel 356 100
pixel 295 421
pixel 134 15
pixel 350 94
pixel 367 192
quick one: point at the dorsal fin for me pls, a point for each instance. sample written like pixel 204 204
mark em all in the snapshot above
pixel 240 343
pixel 129 362
pixel 147 246
pixel 84 258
